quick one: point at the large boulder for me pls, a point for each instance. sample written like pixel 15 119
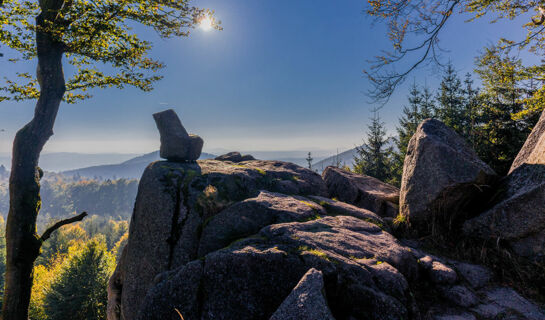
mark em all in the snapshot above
pixel 442 175
pixel 176 143
pixel 361 190
pixel 533 151
pixel 364 271
pixel 307 300
pixel 518 216
pixel 234 157
pixel 173 203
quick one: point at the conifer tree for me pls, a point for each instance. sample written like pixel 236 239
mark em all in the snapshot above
pixel 501 134
pixel 427 103
pixel 450 99
pixel 374 157
pixel 309 160
pixel 470 111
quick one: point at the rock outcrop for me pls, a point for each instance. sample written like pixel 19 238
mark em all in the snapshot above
pixel 518 216
pixel 176 143
pixel 441 176
pixel 175 201
pixel 307 300
pixel 362 191
pixel 230 239
pixel 533 151
pixel 235 157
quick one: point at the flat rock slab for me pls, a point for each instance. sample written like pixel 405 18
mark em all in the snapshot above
pixel 441 176
pixel 362 191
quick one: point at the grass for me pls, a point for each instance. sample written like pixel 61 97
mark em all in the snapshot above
pixel 314 252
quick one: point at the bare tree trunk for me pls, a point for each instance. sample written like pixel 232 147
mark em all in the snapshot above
pixel 22 241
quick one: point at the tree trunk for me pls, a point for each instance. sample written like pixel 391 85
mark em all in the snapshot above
pixel 22 242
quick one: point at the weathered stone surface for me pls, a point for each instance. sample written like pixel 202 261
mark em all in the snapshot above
pixel 460 296
pixel 176 143
pixel 363 191
pixel 306 301
pixel 533 151
pixel 508 301
pixel 441 176
pixel 441 274
pixel 249 216
pixel 235 157
pixel 476 276
pixel 519 215
pixel 174 199
pixel 335 208
pixel 115 286
pixel 359 262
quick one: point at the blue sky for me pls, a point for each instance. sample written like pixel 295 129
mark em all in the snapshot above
pixel 282 75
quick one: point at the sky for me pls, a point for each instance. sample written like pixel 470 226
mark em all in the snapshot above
pixel 282 75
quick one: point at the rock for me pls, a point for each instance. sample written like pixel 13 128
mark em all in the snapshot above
pixel 518 216
pixel 459 316
pixel 359 262
pixel 508 300
pixel 175 199
pixel 176 143
pixel 441 274
pixel 441 176
pixel 249 216
pixel 477 276
pixel 335 208
pixel 460 295
pixel 533 151
pixel 306 301
pixel 115 288
pixel 235 157
pixel 362 191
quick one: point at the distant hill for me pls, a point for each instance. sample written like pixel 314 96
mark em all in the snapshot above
pixel 62 161
pixel 130 169
pixel 345 158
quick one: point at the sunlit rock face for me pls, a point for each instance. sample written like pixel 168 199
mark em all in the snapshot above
pixel 442 175
pixel 518 216
pixel 362 191
pixel 261 239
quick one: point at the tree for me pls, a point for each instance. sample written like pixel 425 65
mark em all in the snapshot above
pixel 408 122
pixel 501 134
pixel 374 156
pixel 309 160
pixel 90 35
pixel 450 101
pixel 470 111
pixel 414 28
pixel 79 292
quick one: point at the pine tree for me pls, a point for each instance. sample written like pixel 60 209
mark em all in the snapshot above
pixel 450 98
pixel 309 160
pixel 374 157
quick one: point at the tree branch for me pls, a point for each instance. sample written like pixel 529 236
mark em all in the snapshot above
pixel 61 223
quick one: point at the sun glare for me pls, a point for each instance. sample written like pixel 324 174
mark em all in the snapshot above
pixel 206 24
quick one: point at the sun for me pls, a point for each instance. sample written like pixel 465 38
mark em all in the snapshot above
pixel 206 24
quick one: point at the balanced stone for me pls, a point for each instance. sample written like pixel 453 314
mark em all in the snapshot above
pixel 176 143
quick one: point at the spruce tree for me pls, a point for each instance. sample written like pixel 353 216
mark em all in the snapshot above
pixel 470 111
pixel 450 99
pixel 427 104
pixel 500 135
pixel 374 157
pixel 309 160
